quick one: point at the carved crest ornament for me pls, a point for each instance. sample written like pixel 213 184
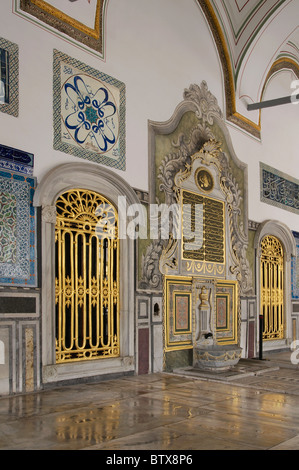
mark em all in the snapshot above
pixel 200 145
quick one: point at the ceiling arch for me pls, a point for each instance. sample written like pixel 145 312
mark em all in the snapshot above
pixel 254 39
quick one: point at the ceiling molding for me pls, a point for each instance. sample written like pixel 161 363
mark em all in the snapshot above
pixel 227 26
pixel 46 15
pixel 229 85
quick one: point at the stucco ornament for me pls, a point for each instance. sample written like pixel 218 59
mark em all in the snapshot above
pixel 161 256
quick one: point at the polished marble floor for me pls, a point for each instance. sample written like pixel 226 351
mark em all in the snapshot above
pixel 257 410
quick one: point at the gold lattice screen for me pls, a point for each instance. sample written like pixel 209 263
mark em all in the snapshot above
pixel 211 248
pixel 87 277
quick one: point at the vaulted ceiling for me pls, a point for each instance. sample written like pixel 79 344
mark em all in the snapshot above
pixel 255 39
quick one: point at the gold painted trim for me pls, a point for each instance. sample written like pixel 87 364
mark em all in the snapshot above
pixel 95 32
pixel 231 114
pixel 208 270
pixel 284 63
pixel 205 191
pixel 227 296
pixel 187 294
pixel 272 300
pixel 87 278
pixel 192 262
pixel 63 23
pixel 236 312
pixel 168 346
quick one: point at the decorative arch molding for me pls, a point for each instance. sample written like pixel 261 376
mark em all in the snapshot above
pixel 283 63
pixel 90 177
pixel 284 234
pixel 229 72
pixel 203 127
pixel 202 102
pixel 228 76
pixel 279 230
pixel 279 65
pixel 63 24
pixel 94 177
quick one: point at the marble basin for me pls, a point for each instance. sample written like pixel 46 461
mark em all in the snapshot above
pixel 216 357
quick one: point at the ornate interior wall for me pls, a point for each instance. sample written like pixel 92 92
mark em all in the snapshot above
pixel 94 178
pixel 194 141
pixel 157 330
pixel 191 161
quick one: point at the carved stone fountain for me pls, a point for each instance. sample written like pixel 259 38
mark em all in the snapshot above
pixel 207 353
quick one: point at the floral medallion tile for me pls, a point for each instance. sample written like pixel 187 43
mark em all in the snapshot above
pixel 89 113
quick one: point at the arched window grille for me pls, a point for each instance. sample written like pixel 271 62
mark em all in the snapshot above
pixel 86 277
pixel 272 288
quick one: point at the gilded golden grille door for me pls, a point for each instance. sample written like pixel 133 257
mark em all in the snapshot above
pixel 272 301
pixel 87 277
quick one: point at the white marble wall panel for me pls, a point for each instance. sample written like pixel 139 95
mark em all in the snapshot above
pixel 157 335
pixel 20 337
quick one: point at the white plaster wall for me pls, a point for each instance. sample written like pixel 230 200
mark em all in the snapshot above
pixel 278 148
pixel 263 51
pixel 157 48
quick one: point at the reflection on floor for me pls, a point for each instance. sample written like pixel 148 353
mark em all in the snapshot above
pixel 257 410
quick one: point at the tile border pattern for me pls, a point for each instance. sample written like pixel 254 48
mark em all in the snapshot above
pixel 12 107
pixel 279 189
pixel 73 149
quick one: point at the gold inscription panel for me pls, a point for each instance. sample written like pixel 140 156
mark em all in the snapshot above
pixel 208 215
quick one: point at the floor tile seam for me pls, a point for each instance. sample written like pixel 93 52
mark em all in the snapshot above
pixel 262 389
pixel 222 379
pixel 44 414
pixel 138 434
pixel 128 434
pixel 232 384
pixel 76 406
pixel 90 406
pixel 188 397
pixel 285 442
pixel 211 380
pixel 148 430
pixel 80 410
pixel 250 427
pixel 68 388
pixel 237 441
pixel 265 420
pixel 280 419
pixel 204 433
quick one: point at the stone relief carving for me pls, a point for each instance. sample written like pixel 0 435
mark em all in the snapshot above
pixel 151 274
pixel 49 214
pixel 161 256
pixel 207 105
pixel 211 154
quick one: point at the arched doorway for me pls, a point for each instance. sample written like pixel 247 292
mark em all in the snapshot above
pixel 86 277
pixel 99 184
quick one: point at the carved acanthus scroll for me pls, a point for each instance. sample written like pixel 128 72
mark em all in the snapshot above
pixel 162 256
